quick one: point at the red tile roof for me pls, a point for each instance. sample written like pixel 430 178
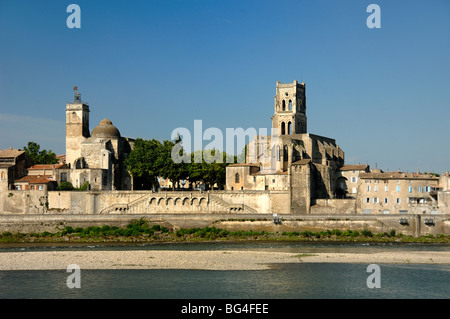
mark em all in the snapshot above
pixel 11 153
pixel 47 166
pixel 35 179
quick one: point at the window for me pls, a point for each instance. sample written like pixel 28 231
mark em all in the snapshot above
pixel 3 175
pixel 367 200
pixel 354 190
pixel 410 189
pixel 273 180
pixel 354 179
pixel 368 188
pixel 289 128
pixel 290 105
pixel 254 179
pixel 283 105
pixel 236 178
pixel 386 188
pixel 41 187
pixel 64 177
pixel 283 128
pixel 17 187
pixel 375 200
pixel 386 200
pixel 420 189
pixel 398 200
pixel 375 188
pixel 398 188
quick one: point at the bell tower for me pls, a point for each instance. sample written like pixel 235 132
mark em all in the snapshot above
pixel 77 127
pixel 290 108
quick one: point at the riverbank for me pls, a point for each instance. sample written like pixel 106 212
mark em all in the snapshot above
pixel 138 231
pixel 205 260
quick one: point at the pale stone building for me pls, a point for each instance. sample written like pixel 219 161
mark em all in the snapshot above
pixel 398 193
pixel 13 166
pixel 97 157
pixel 443 193
pixel 348 181
pixel 290 159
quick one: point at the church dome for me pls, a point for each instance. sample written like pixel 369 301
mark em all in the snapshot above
pixel 105 129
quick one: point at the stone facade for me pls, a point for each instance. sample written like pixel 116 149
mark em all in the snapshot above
pixel 397 193
pixel 97 157
pixel 304 164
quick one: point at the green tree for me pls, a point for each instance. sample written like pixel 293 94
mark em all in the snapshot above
pixel 39 157
pixel 211 170
pixel 168 168
pixel 145 161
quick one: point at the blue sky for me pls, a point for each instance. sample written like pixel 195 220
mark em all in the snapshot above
pixel 153 66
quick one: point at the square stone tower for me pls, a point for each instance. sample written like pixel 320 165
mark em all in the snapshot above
pixel 77 127
pixel 290 108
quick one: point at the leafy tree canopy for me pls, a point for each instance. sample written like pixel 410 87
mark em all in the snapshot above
pixel 151 159
pixel 38 156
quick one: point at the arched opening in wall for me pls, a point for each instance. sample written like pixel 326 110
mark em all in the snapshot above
pixel 236 178
pixel 290 105
pixel 169 201
pixel 285 153
pixel 289 128
pixel 283 128
pixel 341 189
pixel 185 201
pixel 177 201
pixel 160 201
pixel 153 201
pixel 194 202
pixel 202 201
pixel 80 163
pixel 283 105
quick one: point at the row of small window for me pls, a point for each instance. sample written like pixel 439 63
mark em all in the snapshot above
pixel 398 200
pixel 421 189
pixel 32 187
pixel 376 200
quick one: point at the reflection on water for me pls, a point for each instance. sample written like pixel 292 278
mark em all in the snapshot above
pixel 288 281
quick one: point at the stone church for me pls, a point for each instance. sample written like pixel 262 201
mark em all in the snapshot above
pixel 96 157
pixel 305 164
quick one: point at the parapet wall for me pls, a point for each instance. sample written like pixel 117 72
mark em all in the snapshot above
pixel 414 226
pixel 147 202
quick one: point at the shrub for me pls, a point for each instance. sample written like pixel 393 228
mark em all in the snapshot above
pixel 366 233
pixel 65 186
pixel 85 187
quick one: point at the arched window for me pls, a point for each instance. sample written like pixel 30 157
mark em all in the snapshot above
pixel 290 105
pixel 283 128
pixel 289 130
pixel 236 178
pixel 283 105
